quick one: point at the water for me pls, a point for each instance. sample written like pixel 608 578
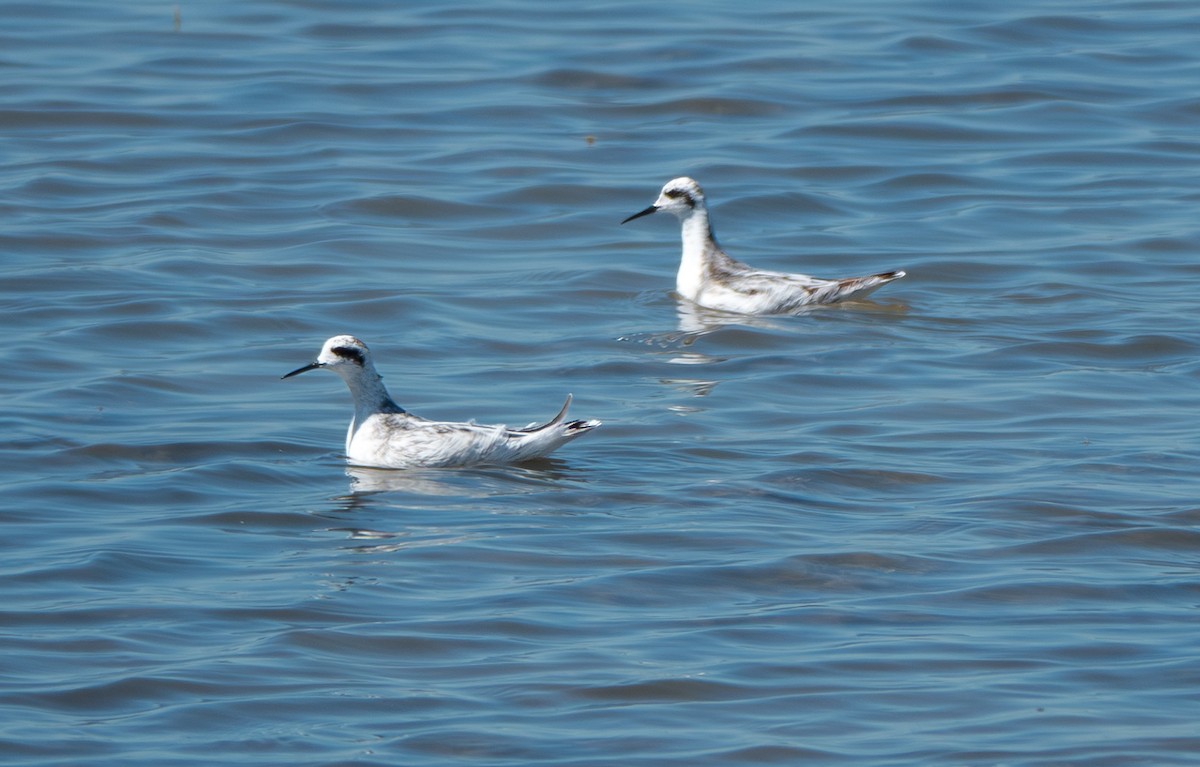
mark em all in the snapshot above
pixel 956 526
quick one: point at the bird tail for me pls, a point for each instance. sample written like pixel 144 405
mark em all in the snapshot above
pixel 538 440
pixel 569 428
pixel 860 287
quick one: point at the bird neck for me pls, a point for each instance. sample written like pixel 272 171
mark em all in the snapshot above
pixel 698 247
pixel 370 395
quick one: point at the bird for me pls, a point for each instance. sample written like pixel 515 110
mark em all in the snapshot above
pixel 711 278
pixel 384 435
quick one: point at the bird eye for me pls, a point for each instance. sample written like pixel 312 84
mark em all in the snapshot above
pixel 348 353
pixel 676 194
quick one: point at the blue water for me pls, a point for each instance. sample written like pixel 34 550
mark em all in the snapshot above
pixel 957 525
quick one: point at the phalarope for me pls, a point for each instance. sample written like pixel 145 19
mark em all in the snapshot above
pixel 382 434
pixel 709 277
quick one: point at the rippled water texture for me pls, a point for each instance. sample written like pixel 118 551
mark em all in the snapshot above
pixel 957 525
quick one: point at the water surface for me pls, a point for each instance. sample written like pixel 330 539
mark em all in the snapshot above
pixel 956 525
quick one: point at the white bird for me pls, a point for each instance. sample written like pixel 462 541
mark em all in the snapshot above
pixel 384 435
pixel 709 277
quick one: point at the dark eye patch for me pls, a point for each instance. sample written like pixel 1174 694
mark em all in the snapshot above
pixel 677 193
pixel 348 353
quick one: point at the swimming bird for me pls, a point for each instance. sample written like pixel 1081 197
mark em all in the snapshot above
pixel 709 277
pixel 384 435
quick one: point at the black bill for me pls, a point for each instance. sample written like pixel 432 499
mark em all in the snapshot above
pixel 641 213
pixel 305 369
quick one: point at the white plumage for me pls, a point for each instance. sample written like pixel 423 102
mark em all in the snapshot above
pixel 382 434
pixel 709 277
